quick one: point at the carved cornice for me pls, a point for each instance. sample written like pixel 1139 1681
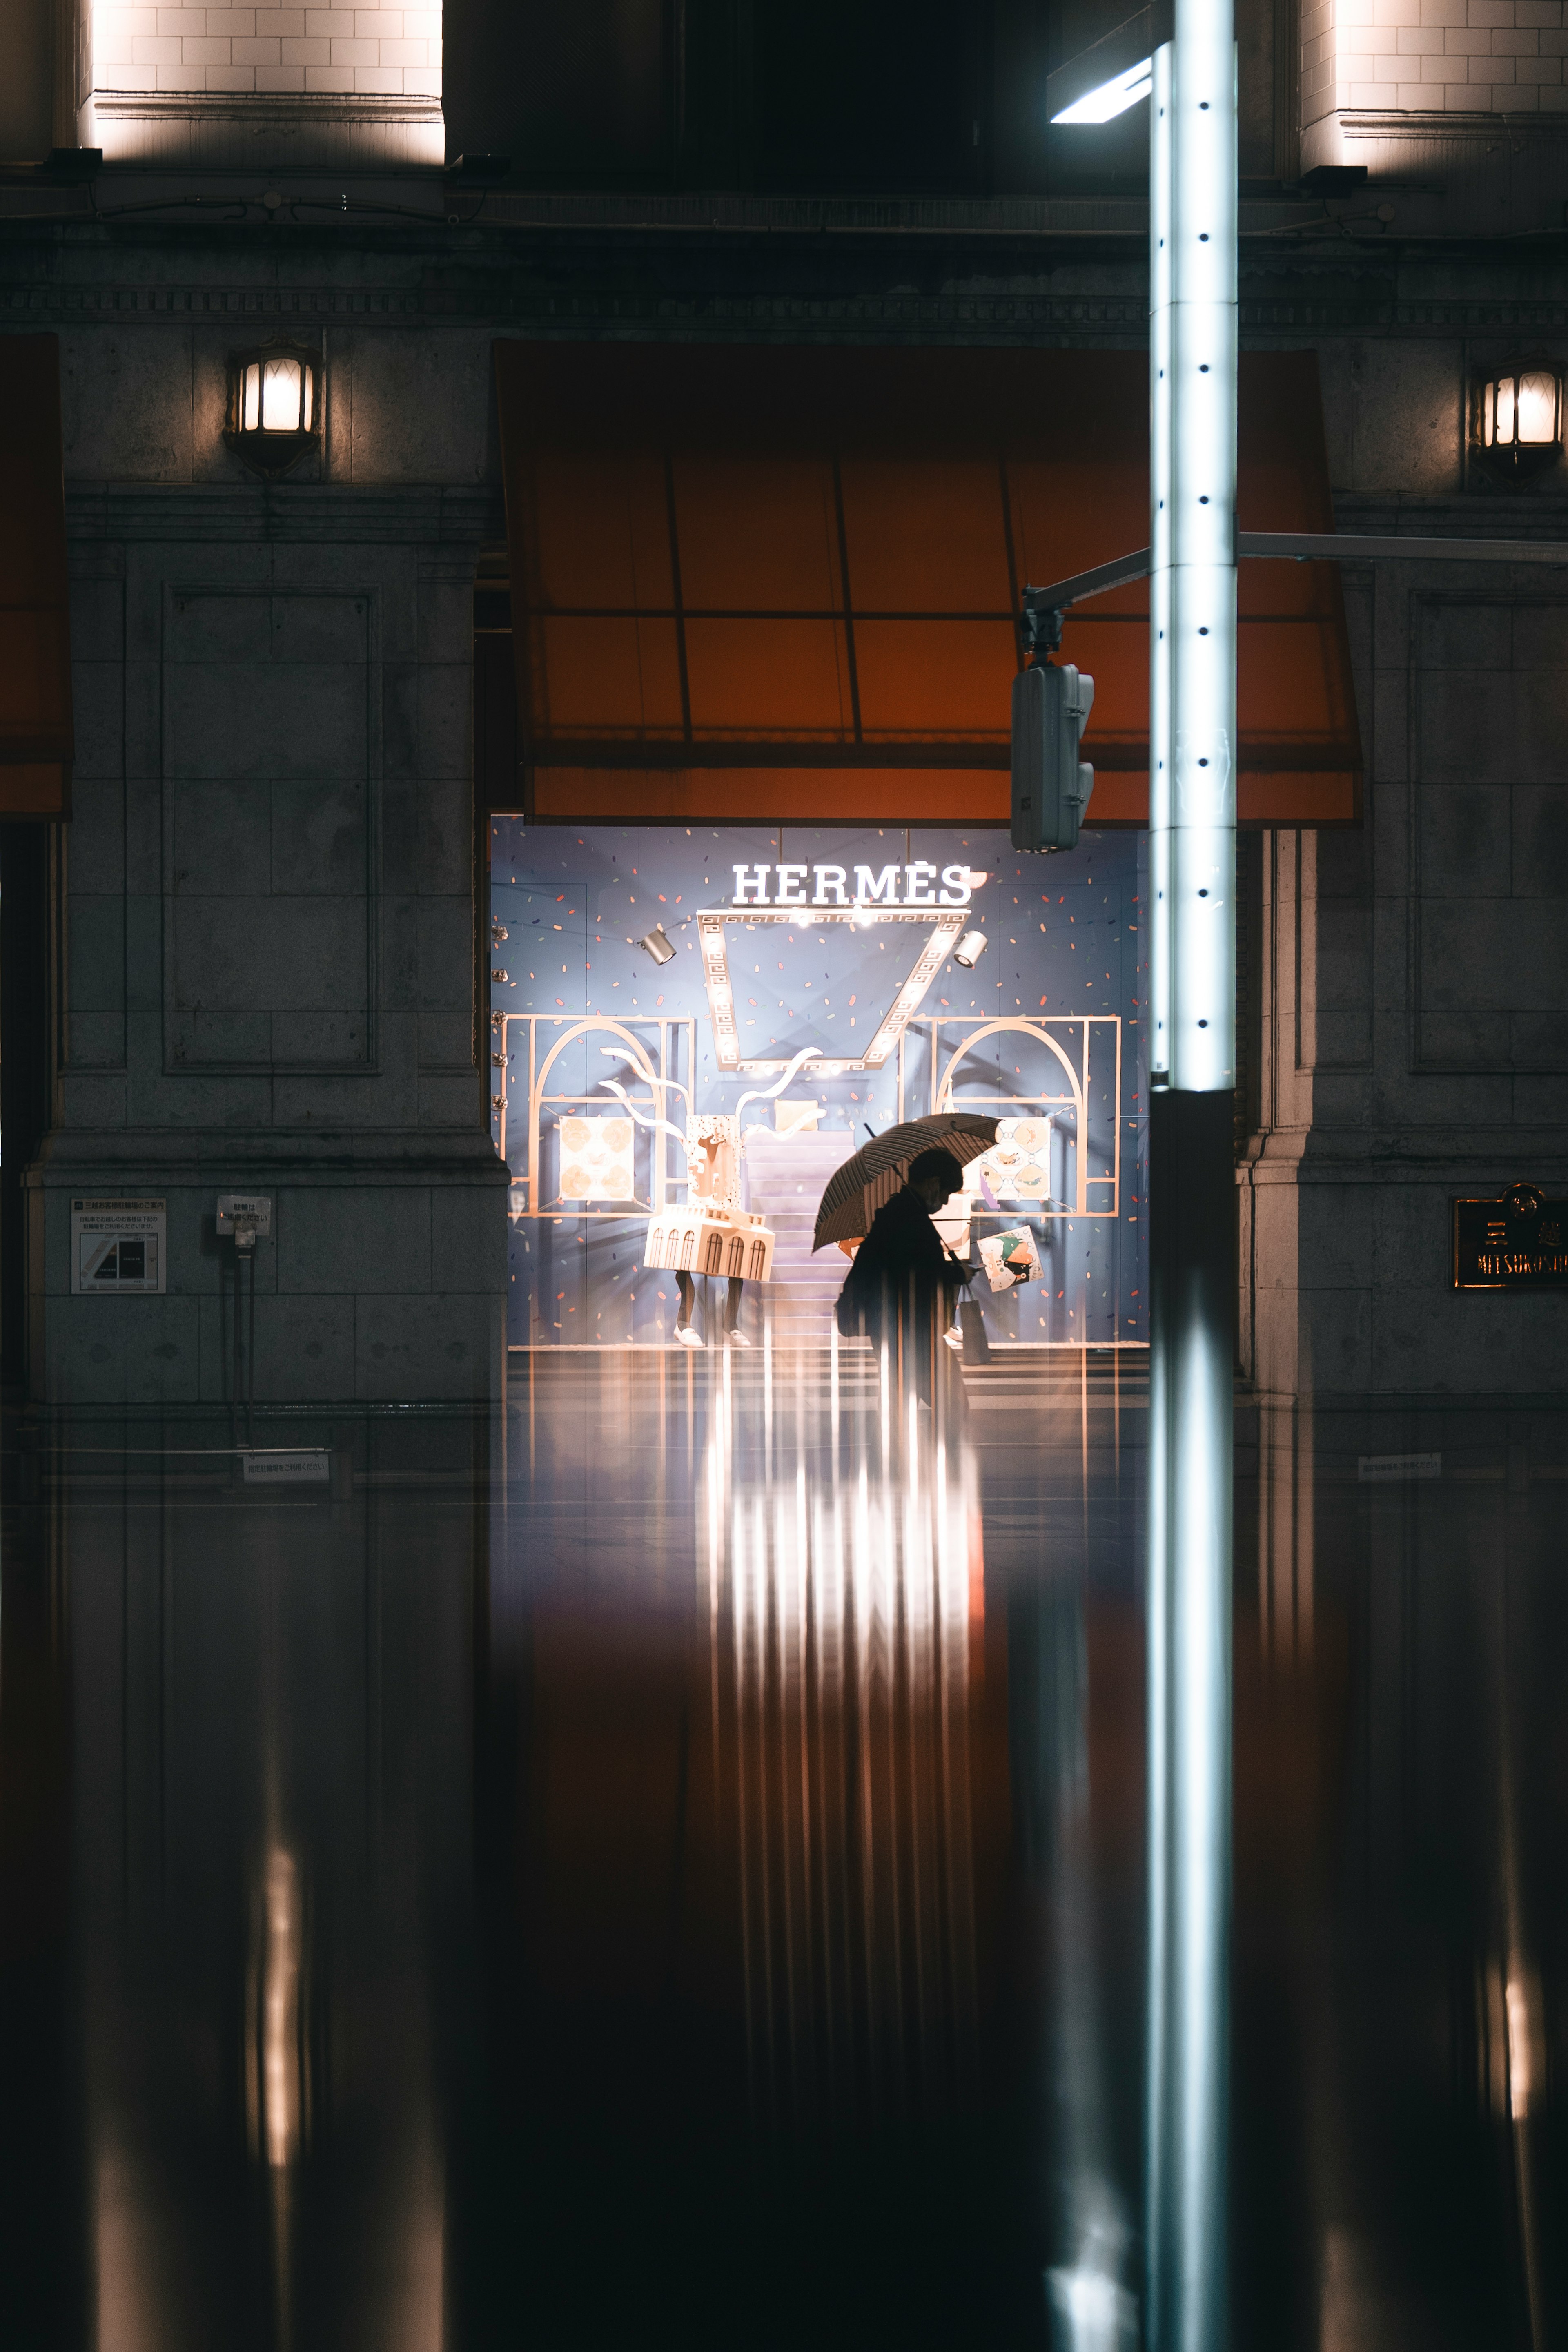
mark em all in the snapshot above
pixel 286 513
pixel 288 111
pixel 1296 302
pixel 1018 270
pixel 1436 127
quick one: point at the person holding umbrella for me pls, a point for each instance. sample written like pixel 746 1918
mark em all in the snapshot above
pixel 901 1273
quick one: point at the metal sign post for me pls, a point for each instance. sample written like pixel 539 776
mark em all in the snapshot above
pixel 1192 1190
pixel 1183 59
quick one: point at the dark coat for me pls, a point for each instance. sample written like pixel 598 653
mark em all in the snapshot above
pixel 901 1268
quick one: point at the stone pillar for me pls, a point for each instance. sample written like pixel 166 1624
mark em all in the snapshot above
pixel 270 965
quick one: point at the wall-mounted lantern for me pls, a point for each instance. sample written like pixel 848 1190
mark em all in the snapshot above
pixel 1518 418
pixel 274 405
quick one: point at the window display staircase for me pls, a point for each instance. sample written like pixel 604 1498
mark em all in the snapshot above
pixel 786 1176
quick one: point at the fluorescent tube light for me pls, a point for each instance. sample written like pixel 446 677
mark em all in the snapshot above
pixel 1108 99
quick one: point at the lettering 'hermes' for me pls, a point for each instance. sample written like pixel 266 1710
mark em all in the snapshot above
pixel 828 886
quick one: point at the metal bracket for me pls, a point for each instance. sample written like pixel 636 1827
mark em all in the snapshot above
pixel 1287 547
pixel 1041 629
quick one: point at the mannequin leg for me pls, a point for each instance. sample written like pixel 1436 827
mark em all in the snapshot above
pixel 684 1330
pixel 735 1336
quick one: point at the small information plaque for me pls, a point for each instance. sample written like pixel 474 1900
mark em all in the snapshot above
pixel 118 1248
pixel 304 1466
pixel 1515 1242
pixel 240 1209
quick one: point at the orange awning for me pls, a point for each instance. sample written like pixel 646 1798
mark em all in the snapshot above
pixel 36 738
pixel 757 583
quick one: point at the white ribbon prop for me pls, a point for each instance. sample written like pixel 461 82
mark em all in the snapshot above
pixel 668 1125
pixel 618 1052
pixel 765 1094
pixel 806 1053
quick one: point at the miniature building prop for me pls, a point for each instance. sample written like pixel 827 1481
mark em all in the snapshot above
pixel 711 1234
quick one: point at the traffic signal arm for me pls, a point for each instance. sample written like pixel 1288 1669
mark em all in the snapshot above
pixel 1040 604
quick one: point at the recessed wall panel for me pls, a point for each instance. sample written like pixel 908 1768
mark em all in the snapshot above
pixel 271 787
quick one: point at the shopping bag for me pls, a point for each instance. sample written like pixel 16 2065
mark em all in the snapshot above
pixel 971 1324
pixel 1010 1258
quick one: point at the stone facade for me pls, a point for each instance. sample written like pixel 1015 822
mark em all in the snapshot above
pixel 1415 56
pixel 1416 1026
pixel 330 52
pixel 271 920
pixel 270 917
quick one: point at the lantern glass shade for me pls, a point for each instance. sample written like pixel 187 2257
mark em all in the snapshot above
pixel 1522 411
pixel 272 407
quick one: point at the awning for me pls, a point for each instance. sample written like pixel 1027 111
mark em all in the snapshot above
pixel 780 584
pixel 35 628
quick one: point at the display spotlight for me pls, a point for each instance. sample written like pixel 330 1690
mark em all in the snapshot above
pixel 969 949
pixel 659 944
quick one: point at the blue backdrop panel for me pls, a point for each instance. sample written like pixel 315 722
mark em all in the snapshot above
pixel 1064 936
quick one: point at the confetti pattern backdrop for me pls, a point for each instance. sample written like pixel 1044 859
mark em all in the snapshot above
pixel 1065 936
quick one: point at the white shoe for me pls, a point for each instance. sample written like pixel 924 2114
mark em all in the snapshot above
pixel 736 1340
pixel 687 1337
pixel 955 1338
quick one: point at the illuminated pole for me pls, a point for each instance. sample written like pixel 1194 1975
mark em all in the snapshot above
pixel 1191 83
pixel 1191 829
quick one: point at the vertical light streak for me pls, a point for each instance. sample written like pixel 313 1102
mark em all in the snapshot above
pixel 280 2047
pixel 1523 2025
pixel 1199 1750
pixel 842 1634
pixel 1157 1610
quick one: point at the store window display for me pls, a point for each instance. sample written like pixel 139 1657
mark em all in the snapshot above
pixel 864 994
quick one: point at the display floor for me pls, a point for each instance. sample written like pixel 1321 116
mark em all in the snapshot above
pixel 668 1869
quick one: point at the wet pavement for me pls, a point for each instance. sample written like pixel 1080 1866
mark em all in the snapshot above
pixel 669 1869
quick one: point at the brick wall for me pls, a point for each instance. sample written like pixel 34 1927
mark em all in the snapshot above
pixel 1433 56
pixel 328 52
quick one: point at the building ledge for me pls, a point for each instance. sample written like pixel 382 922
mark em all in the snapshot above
pixel 209 130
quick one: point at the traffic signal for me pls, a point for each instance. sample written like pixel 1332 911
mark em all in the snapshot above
pixel 1051 784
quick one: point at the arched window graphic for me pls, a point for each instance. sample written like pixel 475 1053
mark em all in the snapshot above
pixel 1076 1082
pixel 637 1054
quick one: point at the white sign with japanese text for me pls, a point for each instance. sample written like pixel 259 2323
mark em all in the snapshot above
pixel 118 1248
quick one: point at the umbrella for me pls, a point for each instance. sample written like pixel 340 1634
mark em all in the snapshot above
pixel 859 1188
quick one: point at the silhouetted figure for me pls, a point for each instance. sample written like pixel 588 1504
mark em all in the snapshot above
pixel 902 1284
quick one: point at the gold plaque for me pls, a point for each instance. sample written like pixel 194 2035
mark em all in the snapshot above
pixel 1515 1242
